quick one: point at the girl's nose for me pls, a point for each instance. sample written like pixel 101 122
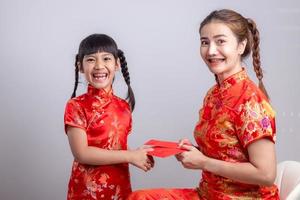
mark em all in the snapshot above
pixel 99 65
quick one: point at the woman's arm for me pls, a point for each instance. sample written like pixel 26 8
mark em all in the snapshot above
pixel 260 170
pixel 96 156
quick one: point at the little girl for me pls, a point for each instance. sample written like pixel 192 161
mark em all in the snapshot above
pixel 97 124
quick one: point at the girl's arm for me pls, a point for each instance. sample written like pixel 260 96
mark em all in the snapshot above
pixel 260 170
pixel 96 156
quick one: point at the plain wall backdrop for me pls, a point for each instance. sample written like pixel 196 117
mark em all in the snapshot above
pixel 38 42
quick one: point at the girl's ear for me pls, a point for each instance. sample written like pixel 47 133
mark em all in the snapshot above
pixel 80 67
pixel 118 64
pixel 242 46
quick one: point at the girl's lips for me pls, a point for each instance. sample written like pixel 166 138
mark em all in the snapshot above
pixel 100 76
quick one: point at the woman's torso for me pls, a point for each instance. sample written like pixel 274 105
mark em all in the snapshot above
pixel 234 114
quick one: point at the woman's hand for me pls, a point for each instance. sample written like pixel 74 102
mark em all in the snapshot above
pixel 192 158
pixel 140 159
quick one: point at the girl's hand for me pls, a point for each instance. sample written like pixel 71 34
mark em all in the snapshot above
pixel 140 159
pixel 151 159
pixel 192 158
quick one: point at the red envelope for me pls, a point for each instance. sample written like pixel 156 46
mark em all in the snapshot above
pixel 164 148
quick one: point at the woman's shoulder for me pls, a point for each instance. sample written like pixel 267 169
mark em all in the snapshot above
pixel 252 95
pixel 211 90
pixel 252 91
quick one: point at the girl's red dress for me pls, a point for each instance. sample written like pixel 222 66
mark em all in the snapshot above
pixel 234 114
pixel 106 120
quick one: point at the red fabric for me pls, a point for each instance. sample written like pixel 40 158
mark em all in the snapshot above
pixel 164 194
pixel 106 120
pixel 234 114
pixel 164 148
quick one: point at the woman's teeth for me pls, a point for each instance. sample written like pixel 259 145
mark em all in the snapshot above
pixel 216 60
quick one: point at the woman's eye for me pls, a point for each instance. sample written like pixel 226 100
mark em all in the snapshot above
pixel 221 41
pixel 204 43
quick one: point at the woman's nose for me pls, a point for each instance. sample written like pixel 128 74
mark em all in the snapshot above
pixel 212 49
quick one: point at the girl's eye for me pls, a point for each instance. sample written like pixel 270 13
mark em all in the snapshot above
pixel 90 60
pixel 107 58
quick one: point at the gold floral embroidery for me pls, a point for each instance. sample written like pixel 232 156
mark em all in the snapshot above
pixel 233 115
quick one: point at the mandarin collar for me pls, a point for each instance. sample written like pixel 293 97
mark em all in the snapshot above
pixel 233 79
pixel 99 92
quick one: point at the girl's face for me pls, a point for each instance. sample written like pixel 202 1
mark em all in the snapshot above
pixel 221 50
pixel 99 69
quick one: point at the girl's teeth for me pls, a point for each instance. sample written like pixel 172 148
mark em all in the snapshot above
pixel 100 75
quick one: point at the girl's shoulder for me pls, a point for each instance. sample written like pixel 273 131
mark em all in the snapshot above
pixel 77 101
pixel 120 101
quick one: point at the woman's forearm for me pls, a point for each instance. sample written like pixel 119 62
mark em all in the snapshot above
pixel 242 172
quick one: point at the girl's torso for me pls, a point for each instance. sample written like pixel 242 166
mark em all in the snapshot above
pixel 106 120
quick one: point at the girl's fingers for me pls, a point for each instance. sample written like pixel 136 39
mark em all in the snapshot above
pixel 146 146
pixel 147 166
pixel 151 160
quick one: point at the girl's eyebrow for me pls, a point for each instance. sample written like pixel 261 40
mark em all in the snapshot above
pixel 94 55
pixel 107 54
pixel 90 55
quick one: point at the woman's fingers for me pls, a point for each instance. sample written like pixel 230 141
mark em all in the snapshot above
pixel 184 141
pixel 187 147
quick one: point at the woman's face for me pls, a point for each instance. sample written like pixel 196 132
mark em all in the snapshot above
pixel 221 50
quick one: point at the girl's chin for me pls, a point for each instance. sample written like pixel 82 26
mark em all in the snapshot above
pixel 105 86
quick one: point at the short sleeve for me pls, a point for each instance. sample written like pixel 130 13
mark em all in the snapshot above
pixel 255 120
pixel 74 115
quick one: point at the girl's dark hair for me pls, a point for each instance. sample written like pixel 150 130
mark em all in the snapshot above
pixel 243 28
pixel 102 43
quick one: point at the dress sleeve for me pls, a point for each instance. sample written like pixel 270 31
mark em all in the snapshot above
pixel 255 120
pixel 74 116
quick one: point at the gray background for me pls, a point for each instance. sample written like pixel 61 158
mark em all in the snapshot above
pixel 38 42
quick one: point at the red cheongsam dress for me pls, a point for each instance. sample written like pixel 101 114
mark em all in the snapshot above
pixel 106 120
pixel 234 114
